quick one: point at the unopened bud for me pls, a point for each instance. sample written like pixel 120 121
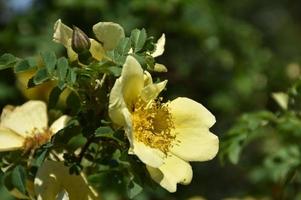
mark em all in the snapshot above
pixel 80 41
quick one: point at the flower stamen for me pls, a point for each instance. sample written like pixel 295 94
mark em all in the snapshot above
pixel 153 124
pixel 36 139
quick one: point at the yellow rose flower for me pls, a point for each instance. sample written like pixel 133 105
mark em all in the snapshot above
pixel 53 181
pixel 164 136
pixel 63 35
pixel 25 127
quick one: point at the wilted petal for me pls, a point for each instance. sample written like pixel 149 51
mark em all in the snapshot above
pixel 59 124
pixel 195 144
pixel 174 170
pixel 10 140
pixel 187 113
pixel 159 46
pixel 109 34
pixel 62 33
pixel 31 116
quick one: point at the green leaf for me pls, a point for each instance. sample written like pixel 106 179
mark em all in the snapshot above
pixel 73 102
pixel 54 97
pixel 138 39
pixel 103 130
pixel 41 155
pixel 7 61
pixel 25 65
pixel 16 180
pixel 116 57
pixel 41 76
pixel 133 184
pixel 134 189
pixel 62 68
pixel 71 78
pixel 107 132
pixel 4 194
pixel 124 46
pixel 71 130
pixel 116 71
pixel 49 59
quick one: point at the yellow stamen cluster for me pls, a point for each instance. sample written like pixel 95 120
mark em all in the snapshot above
pixel 36 140
pixel 153 125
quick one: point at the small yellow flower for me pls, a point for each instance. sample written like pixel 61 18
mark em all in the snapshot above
pixel 63 35
pixel 53 181
pixel 164 136
pixel 25 127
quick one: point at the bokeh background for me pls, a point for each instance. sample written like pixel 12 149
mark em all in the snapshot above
pixel 229 55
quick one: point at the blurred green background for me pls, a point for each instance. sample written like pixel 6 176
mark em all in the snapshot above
pixel 229 55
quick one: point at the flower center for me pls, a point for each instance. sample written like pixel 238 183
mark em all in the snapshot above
pixel 153 125
pixel 36 139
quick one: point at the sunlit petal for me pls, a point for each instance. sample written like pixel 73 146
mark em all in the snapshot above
pixel 62 33
pixel 159 46
pixel 29 117
pixel 195 144
pixel 174 170
pixel 59 124
pixel 187 113
pixel 150 156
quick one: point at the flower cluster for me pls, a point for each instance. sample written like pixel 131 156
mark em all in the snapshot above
pixel 110 76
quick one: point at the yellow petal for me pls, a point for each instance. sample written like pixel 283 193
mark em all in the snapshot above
pixel 53 178
pixel 160 68
pixel 147 78
pixel 96 50
pixel 109 34
pixel 174 170
pixel 132 80
pixel 159 46
pixel 10 140
pixel 6 111
pixel 195 144
pixel 187 113
pixel 152 91
pixel 281 98
pixel 117 106
pixel 62 33
pixel 128 129
pixel 126 89
pixel 148 155
pixel 72 55
pixel 26 118
pixel 59 124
